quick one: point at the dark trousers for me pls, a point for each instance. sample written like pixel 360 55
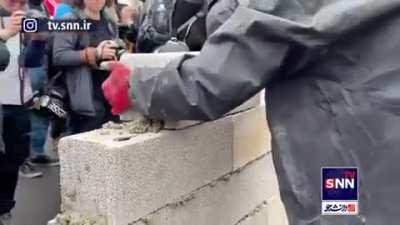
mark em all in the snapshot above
pixel 16 128
pixel 79 123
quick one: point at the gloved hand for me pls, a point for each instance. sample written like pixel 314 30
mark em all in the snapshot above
pixel 116 88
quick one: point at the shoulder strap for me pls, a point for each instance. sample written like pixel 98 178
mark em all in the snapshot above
pixel 211 4
pixel 201 14
pixel 190 22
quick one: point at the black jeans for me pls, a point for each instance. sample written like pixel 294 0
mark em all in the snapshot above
pixel 16 128
pixel 79 123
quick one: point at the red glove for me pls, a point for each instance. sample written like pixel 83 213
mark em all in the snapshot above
pixel 116 88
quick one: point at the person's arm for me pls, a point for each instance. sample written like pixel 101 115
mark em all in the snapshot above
pixel 236 62
pixel 13 27
pixel 5 35
pixel 66 54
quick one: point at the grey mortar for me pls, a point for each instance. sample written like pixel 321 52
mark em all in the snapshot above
pixel 137 126
pixel 189 197
pixel 254 212
pixel 69 218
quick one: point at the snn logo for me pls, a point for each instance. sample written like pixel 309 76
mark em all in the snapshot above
pixel 342 183
pixel 339 192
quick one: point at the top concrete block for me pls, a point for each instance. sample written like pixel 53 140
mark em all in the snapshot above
pixel 253 102
pixel 151 60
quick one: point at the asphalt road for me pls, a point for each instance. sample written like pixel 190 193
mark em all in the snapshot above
pixel 38 200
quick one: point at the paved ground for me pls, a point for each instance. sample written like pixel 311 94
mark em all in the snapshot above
pixel 38 200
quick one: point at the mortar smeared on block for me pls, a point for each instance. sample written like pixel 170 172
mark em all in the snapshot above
pixel 132 119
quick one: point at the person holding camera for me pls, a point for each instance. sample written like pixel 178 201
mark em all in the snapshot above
pixel 15 91
pixel 79 55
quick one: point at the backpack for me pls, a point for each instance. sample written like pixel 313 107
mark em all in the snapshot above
pixel 162 23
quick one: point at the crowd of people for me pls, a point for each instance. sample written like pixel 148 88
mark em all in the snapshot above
pixel 330 69
pixel 30 131
pixel 25 79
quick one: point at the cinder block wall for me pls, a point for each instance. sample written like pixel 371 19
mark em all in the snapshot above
pixel 214 173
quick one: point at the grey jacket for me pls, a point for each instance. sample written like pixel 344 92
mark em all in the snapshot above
pixel 78 75
pixel 332 73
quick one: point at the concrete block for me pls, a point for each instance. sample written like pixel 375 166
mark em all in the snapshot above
pixel 249 104
pixel 276 212
pixel 123 177
pixel 151 60
pixel 226 201
pixel 260 217
pixel 251 136
pixel 271 212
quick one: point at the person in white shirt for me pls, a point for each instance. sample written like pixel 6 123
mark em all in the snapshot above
pixel 15 91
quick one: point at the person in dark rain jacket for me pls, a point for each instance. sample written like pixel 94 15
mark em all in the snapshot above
pixel 332 77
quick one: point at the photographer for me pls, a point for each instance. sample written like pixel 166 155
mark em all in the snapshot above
pixel 14 93
pixel 79 55
pixel 37 68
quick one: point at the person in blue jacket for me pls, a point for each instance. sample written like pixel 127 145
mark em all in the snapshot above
pixel 64 8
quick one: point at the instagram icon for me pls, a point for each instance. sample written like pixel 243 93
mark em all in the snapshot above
pixel 30 25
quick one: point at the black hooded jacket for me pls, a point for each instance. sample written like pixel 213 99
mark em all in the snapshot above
pixel 332 77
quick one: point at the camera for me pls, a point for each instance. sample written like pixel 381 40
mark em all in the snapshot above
pixel 120 49
pixel 53 100
pixel 52 104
